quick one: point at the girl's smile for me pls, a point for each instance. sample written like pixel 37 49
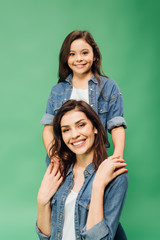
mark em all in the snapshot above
pixel 81 57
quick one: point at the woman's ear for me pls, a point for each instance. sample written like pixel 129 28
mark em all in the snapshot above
pixel 95 131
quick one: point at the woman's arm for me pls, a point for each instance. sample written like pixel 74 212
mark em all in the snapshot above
pixel 97 227
pixel 50 183
pixel 118 139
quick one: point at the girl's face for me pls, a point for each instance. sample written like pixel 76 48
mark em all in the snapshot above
pixel 81 57
pixel 78 132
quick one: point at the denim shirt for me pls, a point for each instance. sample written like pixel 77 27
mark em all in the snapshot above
pixel 106 99
pixel 113 202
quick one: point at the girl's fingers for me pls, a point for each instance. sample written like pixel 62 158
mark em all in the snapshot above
pixel 120 171
pixel 120 165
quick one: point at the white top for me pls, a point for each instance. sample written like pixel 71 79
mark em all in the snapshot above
pixel 80 94
pixel 69 209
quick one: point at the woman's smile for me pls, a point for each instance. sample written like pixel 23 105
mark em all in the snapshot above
pixel 78 132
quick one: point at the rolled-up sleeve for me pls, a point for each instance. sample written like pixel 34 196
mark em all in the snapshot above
pixel 41 235
pixel 113 204
pixel 115 110
pixel 98 231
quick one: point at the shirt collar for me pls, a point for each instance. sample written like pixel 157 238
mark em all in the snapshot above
pixel 69 78
pixel 89 169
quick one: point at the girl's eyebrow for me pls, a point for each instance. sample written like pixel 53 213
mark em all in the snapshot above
pixel 84 49
pixel 74 123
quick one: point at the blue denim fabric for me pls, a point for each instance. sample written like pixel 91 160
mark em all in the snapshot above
pixel 106 229
pixel 105 99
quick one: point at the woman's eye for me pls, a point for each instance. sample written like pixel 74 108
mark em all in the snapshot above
pixel 81 125
pixel 65 130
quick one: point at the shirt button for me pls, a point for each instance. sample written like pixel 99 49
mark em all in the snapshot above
pixel 63 199
pixel 91 89
pixel 75 217
pixel 91 105
pixel 77 236
pixel 58 235
pixel 71 183
pixel 60 217
pixel 101 110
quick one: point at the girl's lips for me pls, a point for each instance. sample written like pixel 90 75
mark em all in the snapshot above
pixel 80 65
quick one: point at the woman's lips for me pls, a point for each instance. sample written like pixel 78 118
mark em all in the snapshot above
pixel 79 143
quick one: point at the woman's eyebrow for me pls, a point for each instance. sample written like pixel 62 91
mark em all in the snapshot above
pixel 74 123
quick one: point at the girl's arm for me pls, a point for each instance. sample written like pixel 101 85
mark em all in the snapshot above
pixel 47 137
pixel 96 226
pixel 118 139
pixel 50 183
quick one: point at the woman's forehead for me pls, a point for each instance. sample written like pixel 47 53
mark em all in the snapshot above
pixel 72 117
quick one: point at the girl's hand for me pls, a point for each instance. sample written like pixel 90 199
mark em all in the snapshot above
pixel 50 183
pixel 108 170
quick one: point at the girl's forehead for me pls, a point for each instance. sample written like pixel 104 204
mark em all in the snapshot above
pixel 80 44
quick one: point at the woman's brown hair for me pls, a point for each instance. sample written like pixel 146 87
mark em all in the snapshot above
pixel 64 69
pixel 60 150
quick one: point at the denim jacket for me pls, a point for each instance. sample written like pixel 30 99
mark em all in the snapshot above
pixel 105 99
pixel 114 197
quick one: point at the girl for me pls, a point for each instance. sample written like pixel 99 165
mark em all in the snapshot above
pixel 87 192
pixel 80 78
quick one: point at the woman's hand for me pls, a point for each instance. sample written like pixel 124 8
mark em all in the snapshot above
pixel 108 170
pixel 50 183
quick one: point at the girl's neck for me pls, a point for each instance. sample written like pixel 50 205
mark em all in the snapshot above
pixel 81 80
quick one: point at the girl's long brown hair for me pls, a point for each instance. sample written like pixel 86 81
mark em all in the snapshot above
pixel 64 69
pixel 60 150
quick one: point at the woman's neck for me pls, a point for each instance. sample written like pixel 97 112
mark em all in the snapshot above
pixel 82 161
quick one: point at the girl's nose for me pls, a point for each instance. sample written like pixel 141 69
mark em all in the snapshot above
pixel 79 58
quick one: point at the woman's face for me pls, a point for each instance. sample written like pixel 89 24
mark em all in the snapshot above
pixel 78 132
pixel 81 57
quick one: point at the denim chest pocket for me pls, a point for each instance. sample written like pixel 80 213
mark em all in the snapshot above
pixel 83 207
pixel 53 210
pixel 103 107
pixel 84 203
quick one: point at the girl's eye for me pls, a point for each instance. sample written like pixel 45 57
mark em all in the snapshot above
pixel 85 53
pixel 71 54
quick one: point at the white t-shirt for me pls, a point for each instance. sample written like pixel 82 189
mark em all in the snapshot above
pixel 80 94
pixel 69 209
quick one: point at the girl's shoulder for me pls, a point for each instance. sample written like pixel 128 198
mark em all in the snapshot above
pixel 59 87
pixel 109 86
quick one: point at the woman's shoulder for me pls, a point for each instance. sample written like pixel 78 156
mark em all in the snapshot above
pixel 119 184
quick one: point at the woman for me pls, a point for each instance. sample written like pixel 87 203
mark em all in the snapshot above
pixel 82 194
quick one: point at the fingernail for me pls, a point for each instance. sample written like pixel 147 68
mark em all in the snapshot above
pixel 126 170
pixel 52 162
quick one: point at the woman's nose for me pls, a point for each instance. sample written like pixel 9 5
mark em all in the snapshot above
pixel 75 133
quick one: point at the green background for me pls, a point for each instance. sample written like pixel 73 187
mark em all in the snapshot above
pixel 30 39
